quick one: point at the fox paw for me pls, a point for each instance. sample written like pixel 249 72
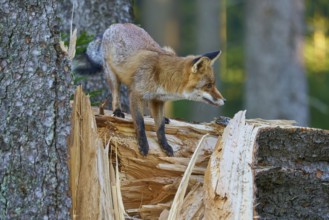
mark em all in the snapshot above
pixel 167 120
pixel 168 150
pixel 143 146
pixel 118 113
pixel 144 150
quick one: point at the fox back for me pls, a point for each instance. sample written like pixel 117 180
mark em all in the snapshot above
pixel 120 41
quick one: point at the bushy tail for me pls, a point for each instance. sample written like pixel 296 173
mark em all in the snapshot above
pixel 90 62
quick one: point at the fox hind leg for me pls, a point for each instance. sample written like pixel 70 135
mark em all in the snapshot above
pixel 136 108
pixel 114 83
pixel 159 120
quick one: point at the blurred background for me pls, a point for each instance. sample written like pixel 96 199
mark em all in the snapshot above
pixel 274 60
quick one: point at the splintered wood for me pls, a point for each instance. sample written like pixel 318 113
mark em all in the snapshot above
pixel 213 175
pixel 229 178
pixel 88 165
pixel 149 184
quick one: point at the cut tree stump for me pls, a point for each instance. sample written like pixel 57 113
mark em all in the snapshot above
pixel 249 169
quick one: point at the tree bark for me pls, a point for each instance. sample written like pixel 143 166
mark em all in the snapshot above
pixel 293 173
pixel 94 17
pixel 276 78
pixel 34 113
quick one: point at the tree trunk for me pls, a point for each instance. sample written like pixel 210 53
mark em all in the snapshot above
pixel 276 85
pixel 34 113
pixel 94 17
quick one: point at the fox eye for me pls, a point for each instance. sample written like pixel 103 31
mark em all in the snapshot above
pixel 209 85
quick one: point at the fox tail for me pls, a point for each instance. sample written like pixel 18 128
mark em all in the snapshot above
pixel 91 62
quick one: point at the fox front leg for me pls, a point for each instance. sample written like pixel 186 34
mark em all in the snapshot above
pixel 159 120
pixel 136 108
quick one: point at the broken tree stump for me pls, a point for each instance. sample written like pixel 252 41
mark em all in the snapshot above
pixel 249 169
pixel 149 184
pixel 90 178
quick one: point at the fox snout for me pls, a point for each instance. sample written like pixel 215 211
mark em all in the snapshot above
pixel 213 101
pixel 220 102
pixel 214 97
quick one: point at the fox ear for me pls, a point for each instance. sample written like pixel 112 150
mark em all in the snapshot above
pixel 202 60
pixel 213 56
pixel 198 63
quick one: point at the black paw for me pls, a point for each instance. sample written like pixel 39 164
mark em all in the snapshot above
pixel 222 120
pixel 167 120
pixel 144 149
pixel 143 146
pixel 168 150
pixel 118 113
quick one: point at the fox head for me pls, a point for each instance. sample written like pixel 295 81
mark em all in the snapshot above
pixel 201 83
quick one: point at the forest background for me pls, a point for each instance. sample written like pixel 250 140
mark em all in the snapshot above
pixel 183 26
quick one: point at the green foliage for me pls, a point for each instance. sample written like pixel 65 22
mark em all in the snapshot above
pixel 180 109
pixel 233 78
pixel 235 26
pixel 82 41
pixel 318 7
pixel 316 52
pixel 188 31
pixel 81 45
pixel 78 80
pixel 319 99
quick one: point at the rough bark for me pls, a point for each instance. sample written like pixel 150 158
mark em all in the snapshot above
pixel 276 78
pixel 94 17
pixel 293 175
pixel 34 113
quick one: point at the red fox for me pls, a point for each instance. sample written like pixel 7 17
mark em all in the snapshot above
pixel 153 74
